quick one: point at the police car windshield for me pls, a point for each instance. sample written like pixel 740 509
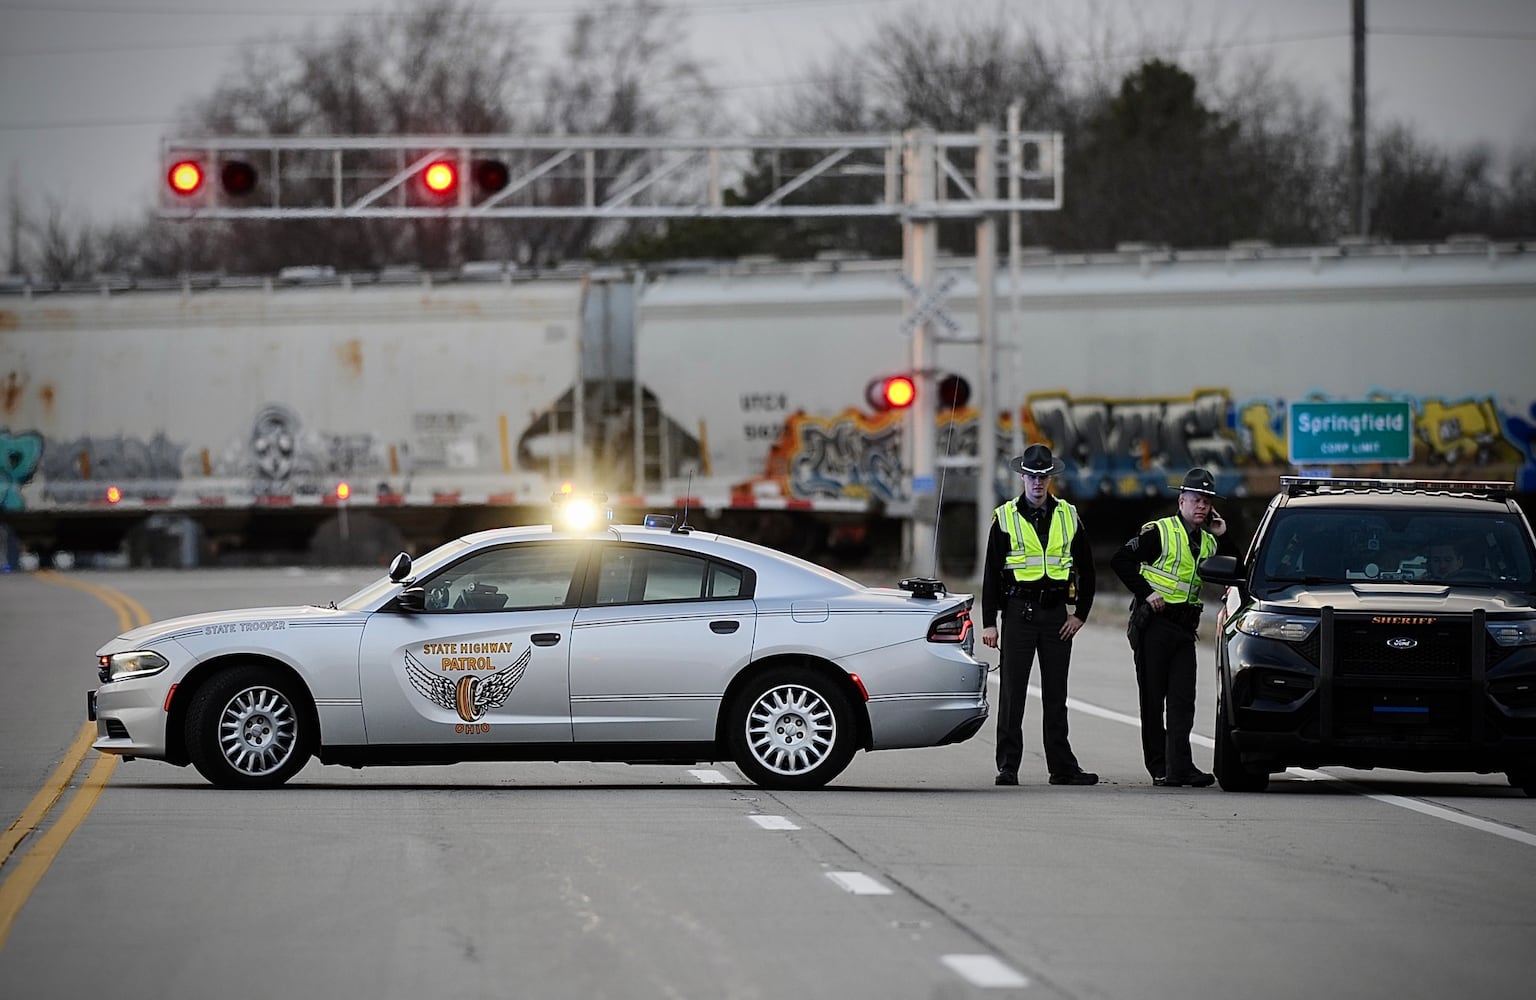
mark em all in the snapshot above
pixel 1442 548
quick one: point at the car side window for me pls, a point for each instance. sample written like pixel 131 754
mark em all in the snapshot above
pixel 638 575
pixel 724 581
pixel 513 578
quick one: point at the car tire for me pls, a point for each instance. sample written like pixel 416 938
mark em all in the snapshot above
pixel 1231 775
pixel 791 729
pixel 247 728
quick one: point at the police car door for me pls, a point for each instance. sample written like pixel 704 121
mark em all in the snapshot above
pixel 659 636
pixel 487 660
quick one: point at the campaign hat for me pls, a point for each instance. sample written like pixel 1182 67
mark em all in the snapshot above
pixel 1037 460
pixel 1199 481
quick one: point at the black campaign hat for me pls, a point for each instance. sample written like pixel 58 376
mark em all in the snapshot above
pixel 1199 481
pixel 1037 460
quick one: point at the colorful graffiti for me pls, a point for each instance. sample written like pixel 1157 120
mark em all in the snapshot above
pixel 19 458
pixel 858 456
pixel 1133 447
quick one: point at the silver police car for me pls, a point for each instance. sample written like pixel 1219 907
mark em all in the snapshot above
pixel 639 643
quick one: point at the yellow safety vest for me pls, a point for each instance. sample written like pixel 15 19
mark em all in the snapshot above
pixel 1027 558
pixel 1176 573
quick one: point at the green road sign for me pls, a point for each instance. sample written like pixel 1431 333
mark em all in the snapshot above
pixel 1335 432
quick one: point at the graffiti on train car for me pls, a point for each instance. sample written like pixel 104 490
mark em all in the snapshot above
pixel 20 456
pixel 1125 447
pixel 1113 447
pixel 73 470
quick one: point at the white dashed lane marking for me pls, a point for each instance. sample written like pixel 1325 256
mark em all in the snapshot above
pixel 773 823
pixel 858 883
pixel 711 777
pixel 1399 801
pixel 985 971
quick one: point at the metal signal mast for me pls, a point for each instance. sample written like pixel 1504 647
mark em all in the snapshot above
pixel 919 177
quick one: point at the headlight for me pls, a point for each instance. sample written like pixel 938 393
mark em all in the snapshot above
pixel 1521 632
pixel 138 663
pixel 1266 625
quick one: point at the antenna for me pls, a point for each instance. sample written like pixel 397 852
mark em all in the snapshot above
pixel 938 506
pixel 931 587
pixel 681 526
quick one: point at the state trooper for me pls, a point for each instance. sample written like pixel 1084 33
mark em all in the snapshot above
pixel 1161 567
pixel 1038 562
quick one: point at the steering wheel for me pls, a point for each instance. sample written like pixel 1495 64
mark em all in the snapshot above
pixel 437 597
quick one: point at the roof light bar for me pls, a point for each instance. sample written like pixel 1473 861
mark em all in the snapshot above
pixel 1296 485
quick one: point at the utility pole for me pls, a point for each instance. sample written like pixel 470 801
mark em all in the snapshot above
pixel 986 333
pixel 920 249
pixel 1357 161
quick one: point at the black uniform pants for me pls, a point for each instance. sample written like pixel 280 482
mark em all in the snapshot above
pixel 1165 676
pixel 1026 629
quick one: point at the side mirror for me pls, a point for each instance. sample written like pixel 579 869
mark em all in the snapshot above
pixel 412 599
pixel 399 567
pixel 1223 569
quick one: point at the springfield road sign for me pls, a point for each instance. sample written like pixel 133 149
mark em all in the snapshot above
pixel 1334 432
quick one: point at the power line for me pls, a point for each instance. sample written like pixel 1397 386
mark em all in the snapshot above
pixel 560 10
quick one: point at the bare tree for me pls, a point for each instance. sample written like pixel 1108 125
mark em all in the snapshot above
pixel 442 67
pixel 61 252
pixel 624 70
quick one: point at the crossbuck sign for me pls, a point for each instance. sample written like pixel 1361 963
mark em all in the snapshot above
pixel 930 307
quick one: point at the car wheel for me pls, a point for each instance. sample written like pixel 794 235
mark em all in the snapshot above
pixel 791 729
pixel 1228 763
pixel 246 729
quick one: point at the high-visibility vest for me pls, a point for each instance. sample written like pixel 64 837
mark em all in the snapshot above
pixel 1027 558
pixel 1176 573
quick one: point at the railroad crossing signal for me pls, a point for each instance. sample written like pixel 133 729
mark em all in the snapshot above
pixel 890 392
pixel 608 177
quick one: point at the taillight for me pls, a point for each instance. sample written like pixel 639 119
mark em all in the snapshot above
pixel 953 627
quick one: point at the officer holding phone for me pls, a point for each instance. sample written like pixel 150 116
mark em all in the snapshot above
pixel 1161 568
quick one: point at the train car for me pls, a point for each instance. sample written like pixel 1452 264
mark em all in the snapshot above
pixel 219 419
pixel 243 418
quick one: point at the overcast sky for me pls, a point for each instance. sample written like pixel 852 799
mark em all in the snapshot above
pixel 88 87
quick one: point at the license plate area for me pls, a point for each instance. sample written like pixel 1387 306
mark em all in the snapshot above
pixel 1427 716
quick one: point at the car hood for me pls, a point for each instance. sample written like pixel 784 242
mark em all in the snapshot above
pixel 154 631
pixel 1400 598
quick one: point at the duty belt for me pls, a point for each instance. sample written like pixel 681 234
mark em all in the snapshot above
pixel 1183 614
pixel 1047 596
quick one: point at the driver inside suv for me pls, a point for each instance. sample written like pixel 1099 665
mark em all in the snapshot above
pixel 1445 560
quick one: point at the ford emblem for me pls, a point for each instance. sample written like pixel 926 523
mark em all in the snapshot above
pixel 1402 642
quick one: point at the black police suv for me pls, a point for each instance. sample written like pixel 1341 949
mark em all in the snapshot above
pixel 1379 623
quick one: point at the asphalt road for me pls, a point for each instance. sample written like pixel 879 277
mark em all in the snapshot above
pixel 910 876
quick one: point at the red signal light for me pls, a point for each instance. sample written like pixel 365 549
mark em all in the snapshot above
pixel 440 177
pixel 893 392
pixel 186 177
pixel 114 494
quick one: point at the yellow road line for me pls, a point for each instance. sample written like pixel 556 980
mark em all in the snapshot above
pixel 54 788
pixel 130 613
pixel 24 876
pixel 18 886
